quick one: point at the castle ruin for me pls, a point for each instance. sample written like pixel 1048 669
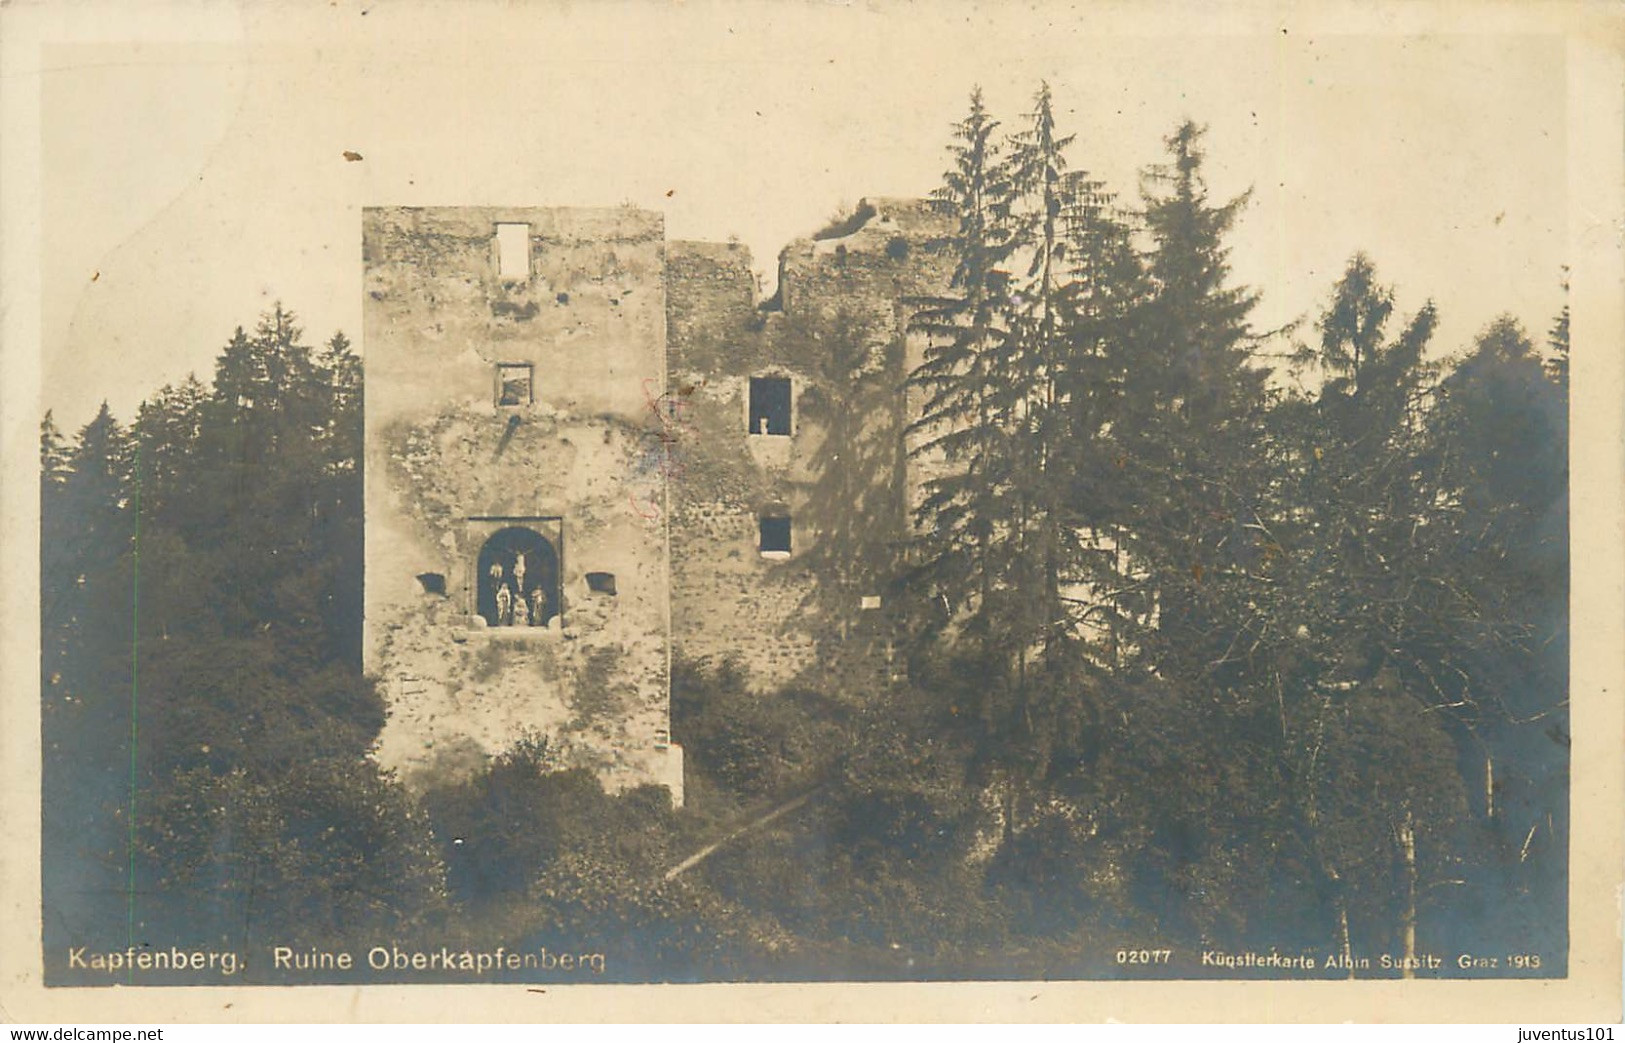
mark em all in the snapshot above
pixel 590 449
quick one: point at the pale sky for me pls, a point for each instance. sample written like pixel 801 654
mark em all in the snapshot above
pixel 188 186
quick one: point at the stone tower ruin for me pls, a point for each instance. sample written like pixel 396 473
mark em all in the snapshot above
pixel 590 449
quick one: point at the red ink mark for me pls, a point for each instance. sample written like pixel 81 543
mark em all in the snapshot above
pixel 670 428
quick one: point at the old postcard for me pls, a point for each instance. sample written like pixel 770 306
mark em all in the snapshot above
pixel 929 511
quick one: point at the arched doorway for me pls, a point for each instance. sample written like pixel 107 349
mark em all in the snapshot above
pixel 518 571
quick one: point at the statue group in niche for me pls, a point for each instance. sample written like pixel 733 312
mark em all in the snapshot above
pixel 515 606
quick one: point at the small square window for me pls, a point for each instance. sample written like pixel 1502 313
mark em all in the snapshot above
pixel 774 536
pixel 514 384
pixel 769 406
pixel 513 252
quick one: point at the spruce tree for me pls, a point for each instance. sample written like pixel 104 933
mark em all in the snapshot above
pixel 961 438
pixel 1502 432
pixel 222 643
pixel 87 587
pixel 1557 344
pixel 167 428
pixel 957 435
pixel 1356 636
pixel 1003 543
pixel 1192 436
pixel 1053 701
pixel 1176 497
pixel 53 454
pixel 56 578
pixel 1103 301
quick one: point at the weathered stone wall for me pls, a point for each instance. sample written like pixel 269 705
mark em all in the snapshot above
pixel 592 316
pixel 838 334
pixel 727 599
pixel 442 455
pixel 635 458
pixel 710 305
pixel 902 252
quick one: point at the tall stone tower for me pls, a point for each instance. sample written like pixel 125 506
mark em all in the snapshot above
pixel 791 492
pixel 517 566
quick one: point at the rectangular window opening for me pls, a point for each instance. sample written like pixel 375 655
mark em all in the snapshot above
pixel 513 252
pixel 769 406
pixel 514 384
pixel 774 537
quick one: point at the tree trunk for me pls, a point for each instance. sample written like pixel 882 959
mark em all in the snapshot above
pixel 1407 846
pixel 1345 946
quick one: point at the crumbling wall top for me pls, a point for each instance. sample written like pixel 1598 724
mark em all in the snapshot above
pixel 560 224
pixel 723 255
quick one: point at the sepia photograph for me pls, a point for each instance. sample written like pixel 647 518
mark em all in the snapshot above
pixel 551 495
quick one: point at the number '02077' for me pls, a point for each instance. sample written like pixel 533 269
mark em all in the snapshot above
pixel 1146 956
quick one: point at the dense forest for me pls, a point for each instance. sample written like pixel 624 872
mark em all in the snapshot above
pixel 1220 639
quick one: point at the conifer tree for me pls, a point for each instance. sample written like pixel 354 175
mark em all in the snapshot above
pixel 1037 354
pixel 167 429
pixel 1103 302
pixel 338 518
pixel 1502 432
pixel 1038 168
pixel 338 369
pixel 958 430
pixel 1052 702
pixel 1175 495
pixel 1193 449
pixel 1557 343
pixel 53 454
pixel 964 436
pixel 227 630
pixel 1002 538
pixel 95 499
pixel 87 589
pixel 1354 628
pixel 55 561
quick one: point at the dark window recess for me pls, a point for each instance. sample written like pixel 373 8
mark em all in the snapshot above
pixel 769 405
pixel 775 535
pixel 433 583
pixel 601 582
pixel 514 384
